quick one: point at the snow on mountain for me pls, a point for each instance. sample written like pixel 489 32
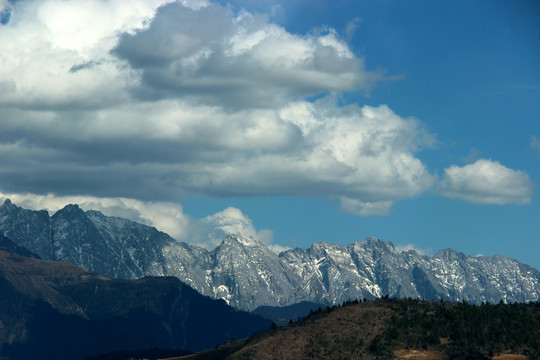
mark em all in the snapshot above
pixel 246 274
pixel 27 228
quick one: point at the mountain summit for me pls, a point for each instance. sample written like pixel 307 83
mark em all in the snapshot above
pixel 246 274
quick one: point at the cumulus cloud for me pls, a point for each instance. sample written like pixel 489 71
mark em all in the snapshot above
pixel 306 149
pixel 230 221
pixel 45 39
pixel 214 56
pixel 168 217
pixel 487 182
pixel 160 101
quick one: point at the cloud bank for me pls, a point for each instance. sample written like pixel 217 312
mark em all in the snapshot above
pixel 161 100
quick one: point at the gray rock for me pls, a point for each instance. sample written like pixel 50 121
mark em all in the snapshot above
pixel 246 274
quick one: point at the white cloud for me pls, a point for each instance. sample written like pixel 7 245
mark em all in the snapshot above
pixel 45 39
pixel 351 26
pixel 407 247
pixel 535 143
pixel 74 121
pixel 165 216
pixel 487 182
pixel 365 208
pixel 170 148
pixel 216 227
pixel 237 60
pixel 132 100
pixel 278 248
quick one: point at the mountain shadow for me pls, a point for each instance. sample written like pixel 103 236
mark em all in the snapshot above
pixel 52 310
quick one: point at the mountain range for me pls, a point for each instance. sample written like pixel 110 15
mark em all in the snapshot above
pixel 247 275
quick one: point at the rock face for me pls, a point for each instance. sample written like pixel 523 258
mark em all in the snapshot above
pixel 110 246
pixel 9 246
pixel 247 275
pixel 332 273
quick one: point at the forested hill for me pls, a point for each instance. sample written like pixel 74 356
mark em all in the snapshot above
pixel 399 329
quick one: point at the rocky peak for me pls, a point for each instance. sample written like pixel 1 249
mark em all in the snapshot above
pixel 71 210
pixel 378 244
pixel 246 274
pixel 9 207
pixel 447 254
pixel 236 239
pixel 8 204
pixel 27 228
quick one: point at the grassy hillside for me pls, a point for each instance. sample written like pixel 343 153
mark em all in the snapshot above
pixel 402 329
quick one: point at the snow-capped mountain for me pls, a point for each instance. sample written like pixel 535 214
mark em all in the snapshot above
pixel 110 246
pixel 332 273
pixel 246 274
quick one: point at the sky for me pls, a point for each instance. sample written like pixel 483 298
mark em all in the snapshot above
pixel 294 122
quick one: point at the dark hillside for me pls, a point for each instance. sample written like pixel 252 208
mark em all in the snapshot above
pixel 281 315
pixel 401 329
pixel 53 310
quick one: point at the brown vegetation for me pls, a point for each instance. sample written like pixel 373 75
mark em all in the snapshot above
pixel 397 329
pixel 414 354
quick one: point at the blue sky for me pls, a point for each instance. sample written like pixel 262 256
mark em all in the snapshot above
pixel 296 122
pixel 471 73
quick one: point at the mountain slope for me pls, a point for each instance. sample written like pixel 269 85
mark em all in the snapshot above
pixel 111 246
pixel 58 310
pixel 9 246
pixel 27 228
pixel 397 329
pixel 247 275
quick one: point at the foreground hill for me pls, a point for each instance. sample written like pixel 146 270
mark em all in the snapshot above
pixel 397 329
pixel 247 275
pixel 56 310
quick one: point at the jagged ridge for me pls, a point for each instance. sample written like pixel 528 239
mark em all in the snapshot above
pixel 247 275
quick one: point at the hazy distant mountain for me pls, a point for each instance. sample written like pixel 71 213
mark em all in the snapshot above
pixel 247 274
pixel 56 310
